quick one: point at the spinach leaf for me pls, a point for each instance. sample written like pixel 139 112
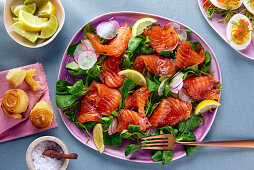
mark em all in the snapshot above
pixel 131 148
pixel 164 77
pixel 207 63
pixel 167 156
pixel 125 89
pixel 89 28
pixel 72 48
pixel 94 71
pixel 64 101
pixel 157 156
pixel 115 112
pixel 62 87
pixel 125 134
pixel 74 69
pixel 168 130
pixel 146 50
pixel 106 120
pixel 186 136
pixel 152 86
pixel 134 128
pixel 85 126
pixel 151 107
pixel 78 88
pixel 101 59
pixel 190 149
pixel 219 87
pixel 167 53
pixel 112 140
pixel 133 44
pixel 126 62
pixel 190 124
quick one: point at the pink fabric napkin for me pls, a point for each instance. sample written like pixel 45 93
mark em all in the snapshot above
pixel 14 128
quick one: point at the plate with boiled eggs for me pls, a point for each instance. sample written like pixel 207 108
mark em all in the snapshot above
pixel 233 20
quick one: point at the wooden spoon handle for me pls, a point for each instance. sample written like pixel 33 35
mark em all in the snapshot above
pixel 229 143
pixel 54 154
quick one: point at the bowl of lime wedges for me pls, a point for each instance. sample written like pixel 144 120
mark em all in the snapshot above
pixel 33 23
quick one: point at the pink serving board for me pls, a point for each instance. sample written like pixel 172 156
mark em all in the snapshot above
pixel 143 156
pixel 221 30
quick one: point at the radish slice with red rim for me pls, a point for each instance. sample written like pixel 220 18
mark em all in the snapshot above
pixel 175 25
pixel 162 86
pixel 177 89
pixel 177 83
pixel 107 30
pixel 182 34
pixel 87 59
pixel 78 50
pixel 89 46
pixel 183 96
pixel 112 127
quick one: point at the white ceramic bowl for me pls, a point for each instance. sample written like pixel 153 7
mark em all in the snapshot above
pixel 32 146
pixel 8 21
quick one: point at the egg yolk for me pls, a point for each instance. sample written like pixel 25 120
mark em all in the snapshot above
pixel 230 4
pixel 240 31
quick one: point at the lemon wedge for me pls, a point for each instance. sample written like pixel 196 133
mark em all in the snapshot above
pixel 46 10
pixel 30 22
pixel 31 36
pixel 206 105
pixel 31 8
pixel 135 76
pixel 98 137
pixel 141 24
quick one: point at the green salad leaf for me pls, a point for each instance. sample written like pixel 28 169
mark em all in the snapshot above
pixel 112 140
pixel 72 48
pixel 89 28
pixel 131 148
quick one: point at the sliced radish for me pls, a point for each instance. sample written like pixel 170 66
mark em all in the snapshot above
pixel 112 127
pixel 183 96
pixel 182 34
pixel 87 59
pixel 78 50
pixel 162 86
pixel 177 89
pixel 125 55
pixel 107 30
pixel 177 83
pixel 89 46
pixel 175 25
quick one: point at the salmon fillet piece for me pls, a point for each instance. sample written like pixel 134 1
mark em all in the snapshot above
pixel 186 56
pixel 137 101
pixel 127 117
pixel 117 46
pixel 162 39
pixel 156 64
pixel 170 112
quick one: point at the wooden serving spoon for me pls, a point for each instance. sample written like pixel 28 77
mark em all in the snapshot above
pixel 54 154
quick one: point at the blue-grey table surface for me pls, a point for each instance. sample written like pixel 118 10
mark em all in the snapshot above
pixel 234 120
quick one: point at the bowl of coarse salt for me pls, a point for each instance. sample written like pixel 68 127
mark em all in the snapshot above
pixel 36 161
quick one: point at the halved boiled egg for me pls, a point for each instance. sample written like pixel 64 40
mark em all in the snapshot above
pixel 227 4
pixel 249 4
pixel 239 31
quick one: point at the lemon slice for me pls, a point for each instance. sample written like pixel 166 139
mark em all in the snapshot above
pixel 134 75
pixel 140 25
pixel 98 137
pixel 31 36
pixel 30 22
pixel 206 105
pixel 42 19
pixel 46 9
pixel 38 2
pixel 50 27
pixel 31 8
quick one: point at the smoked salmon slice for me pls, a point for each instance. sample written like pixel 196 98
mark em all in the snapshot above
pixel 109 74
pixel 170 112
pixel 127 117
pixel 186 56
pixel 162 39
pixel 100 100
pixel 117 46
pixel 201 88
pixel 156 64
pixel 137 101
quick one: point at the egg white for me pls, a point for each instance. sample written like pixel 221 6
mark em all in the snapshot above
pixel 236 18
pixel 215 3
pixel 247 5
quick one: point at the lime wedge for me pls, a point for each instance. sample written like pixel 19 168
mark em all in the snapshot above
pixel 38 2
pixel 31 8
pixel 31 36
pixel 30 22
pixel 15 19
pixel 50 27
pixel 135 76
pixel 141 24
pixel 98 137
pixel 46 9
pixel 44 19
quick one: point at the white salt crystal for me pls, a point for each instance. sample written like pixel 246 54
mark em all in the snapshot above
pixel 42 162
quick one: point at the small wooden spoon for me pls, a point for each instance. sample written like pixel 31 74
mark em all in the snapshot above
pixel 54 154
